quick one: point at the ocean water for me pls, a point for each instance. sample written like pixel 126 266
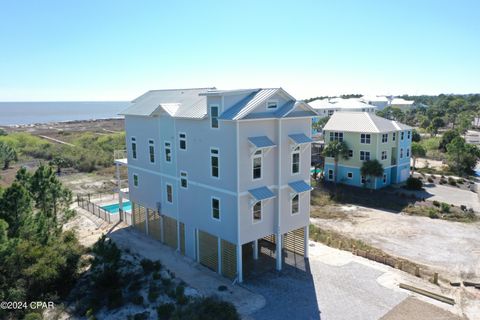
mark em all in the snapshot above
pixel 12 113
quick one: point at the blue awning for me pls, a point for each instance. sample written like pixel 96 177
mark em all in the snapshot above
pixel 261 142
pixel 262 193
pixel 300 138
pixel 300 186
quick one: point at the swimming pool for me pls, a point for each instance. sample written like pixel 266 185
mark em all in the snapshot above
pixel 113 208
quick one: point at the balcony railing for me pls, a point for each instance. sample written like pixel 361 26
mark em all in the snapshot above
pixel 119 154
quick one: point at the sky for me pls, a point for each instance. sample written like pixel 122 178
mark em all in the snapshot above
pixel 116 50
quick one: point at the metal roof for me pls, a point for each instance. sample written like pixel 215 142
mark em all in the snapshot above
pixel 181 103
pixel 300 186
pixel 243 107
pixel 300 138
pixel 261 142
pixel 262 193
pixel 362 122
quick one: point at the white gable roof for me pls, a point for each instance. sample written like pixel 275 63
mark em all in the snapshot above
pixel 362 122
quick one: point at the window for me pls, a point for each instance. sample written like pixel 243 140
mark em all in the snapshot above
pixel 394 136
pixel 401 135
pixel 409 133
pixel 295 204
pixel 336 136
pixel 350 153
pixel 135 180
pixel 168 152
pixel 408 152
pixel 183 180
pixel 349 175
pixel 214 163
pixel 330 112
pixel 364 155
pixel 151 150
pixel 272 105
pixel 214 116
pixel 365 138
pixel 384 155
pixel 169 193
pixel 257 165
pixel 363 180
pixel 401 153
pixel 257 211
pixel 330 174
pixel 134 148
pixel 384 178
pixel 385 138
pixel 296 160
pixel 182 138
pixel 216 208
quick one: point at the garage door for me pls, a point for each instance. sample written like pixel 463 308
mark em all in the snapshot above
pixel 208 250
pixel 170 231
pixel 154 230
pixel 229 259
pixel 138 216
pixel 294 241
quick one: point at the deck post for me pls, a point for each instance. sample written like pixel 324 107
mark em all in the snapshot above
pixel 278 251
pixel 306 235
pixel 239 263
pixel 255 249
pixel 120 196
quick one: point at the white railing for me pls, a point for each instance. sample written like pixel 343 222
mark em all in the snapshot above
pixel 119 154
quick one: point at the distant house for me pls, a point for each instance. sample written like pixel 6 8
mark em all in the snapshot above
pixel 472 137
pixel 381 102
pixel 215 173
pixel 326 107
pixel 369 137
pixel 401 103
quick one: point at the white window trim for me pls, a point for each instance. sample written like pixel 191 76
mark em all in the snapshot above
pixel 133 139
pixel 291 205
pixel 183 177
pixel 210 162
pixel 363 178
pixel 180 139
pixel 166 192
pixel 271 101
pixel 386 155
pixel 254 156
pixel 386 141
pixel 218 115
pixel 401 153
pixel 394 136
pixel 384 178
pixel 350 178
pixel 366 134
pixel 165 150
pixel 299 162
pixel 328 175
pixel 365 152
pixel 154 154
pixel 219 209
pixel 138 180
pixel 261 213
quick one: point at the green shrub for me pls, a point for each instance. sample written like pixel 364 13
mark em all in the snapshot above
pixel 207 308
pixel 149 266
pixel 430 180
pixel 137 299
pixel 165 311
pixel 180 295
pixel 443 181
pixel 142 316
pixel 153 292
pixel 414 184
pixel 436 203
pixel 433 214
pixel 32 316
pixel 452 181
pixel 445 207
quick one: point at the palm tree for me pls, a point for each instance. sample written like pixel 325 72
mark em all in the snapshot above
pixel 372 168
pixel 417 151
pixel 336 150
pixel 7 155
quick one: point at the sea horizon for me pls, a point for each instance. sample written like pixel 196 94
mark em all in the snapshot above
pixel 14 113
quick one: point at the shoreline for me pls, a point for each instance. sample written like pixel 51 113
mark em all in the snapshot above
pixel 62 122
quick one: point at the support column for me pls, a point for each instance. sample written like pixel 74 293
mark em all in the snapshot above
pixel 120 196
pixel 306 241
pixel 197 244
pixel 278 253
pixel 178 236
pixel 239 263
pixel 146 220
pixel 255 250
pixel 162 230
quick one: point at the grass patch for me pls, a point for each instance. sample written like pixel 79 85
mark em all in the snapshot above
pixel 442 210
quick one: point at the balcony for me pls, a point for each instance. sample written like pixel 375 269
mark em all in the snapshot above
pixel 120 157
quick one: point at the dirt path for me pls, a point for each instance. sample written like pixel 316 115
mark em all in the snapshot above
pixel 451 248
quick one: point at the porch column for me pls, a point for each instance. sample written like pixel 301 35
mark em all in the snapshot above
pixel 278 251
pixel 219 249
pixel 146 220
pixel 255 249
pixel 239 263
pixel 306 241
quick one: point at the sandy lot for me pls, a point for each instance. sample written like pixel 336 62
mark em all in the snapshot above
pixel 451 248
